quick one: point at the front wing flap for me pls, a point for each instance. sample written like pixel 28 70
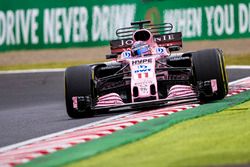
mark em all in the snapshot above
pixel 150 104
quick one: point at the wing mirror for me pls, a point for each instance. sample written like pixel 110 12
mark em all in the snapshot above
pixel 174 48
pixel 112 56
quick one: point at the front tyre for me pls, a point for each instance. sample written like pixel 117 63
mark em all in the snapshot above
pixel 78 83
pixel 208 65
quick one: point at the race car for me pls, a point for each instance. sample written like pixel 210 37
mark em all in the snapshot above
pixel 145 71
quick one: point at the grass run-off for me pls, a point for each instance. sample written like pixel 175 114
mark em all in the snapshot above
pixel 214 140
pixel 229 60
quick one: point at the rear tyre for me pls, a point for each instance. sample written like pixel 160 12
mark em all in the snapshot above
pixel 209 65
pixel 78 82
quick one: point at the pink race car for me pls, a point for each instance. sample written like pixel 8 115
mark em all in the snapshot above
pixel 144 73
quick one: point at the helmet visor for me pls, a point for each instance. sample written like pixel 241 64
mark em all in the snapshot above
pixel 141 50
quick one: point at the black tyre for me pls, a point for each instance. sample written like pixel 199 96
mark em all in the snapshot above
pixel 78 82
pixel 208 65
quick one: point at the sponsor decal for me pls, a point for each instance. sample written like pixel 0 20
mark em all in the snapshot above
pixel 126 54
pixel 126 42
pixel 144 83
pixel 160 50
pixel 75 103
pixel 142 61
pixel 142 75
pixel 144 90
pixel 142 69
pixel 214 85
pixel 158 39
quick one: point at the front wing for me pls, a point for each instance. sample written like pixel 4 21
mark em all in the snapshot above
pixel 150 104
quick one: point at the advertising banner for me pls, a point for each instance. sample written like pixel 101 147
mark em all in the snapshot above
pixel 60 24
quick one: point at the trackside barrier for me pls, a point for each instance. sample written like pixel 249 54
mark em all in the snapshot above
pixel 59 24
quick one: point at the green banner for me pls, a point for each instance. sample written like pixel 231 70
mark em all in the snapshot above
pixel 203 19
pixel 59 24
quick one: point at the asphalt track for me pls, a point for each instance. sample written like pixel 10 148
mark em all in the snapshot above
pixel 32 105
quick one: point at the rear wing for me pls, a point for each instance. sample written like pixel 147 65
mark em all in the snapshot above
pixel 163 40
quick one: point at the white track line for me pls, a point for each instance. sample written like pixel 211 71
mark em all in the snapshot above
pixel 238 67
pixel 63 69
pixel 237 81
pixel 33 71
pixel 13 146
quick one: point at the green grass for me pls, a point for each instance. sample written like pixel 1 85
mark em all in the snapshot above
pixel 229 59
pixel 217 139
pixel 243 59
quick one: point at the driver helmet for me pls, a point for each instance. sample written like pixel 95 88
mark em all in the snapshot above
pixel 140 48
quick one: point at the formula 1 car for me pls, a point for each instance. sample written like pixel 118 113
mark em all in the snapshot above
pixel 145 72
